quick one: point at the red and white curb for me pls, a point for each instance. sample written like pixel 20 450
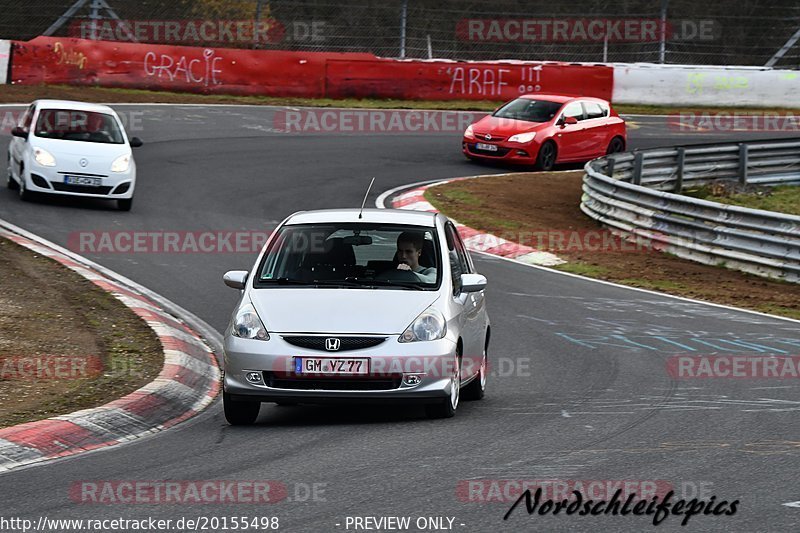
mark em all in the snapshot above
pixel 475 240
pixel 187 384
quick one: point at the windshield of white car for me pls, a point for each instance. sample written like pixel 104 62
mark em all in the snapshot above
pixel 73 125
pixel 528 110
pixel 352 255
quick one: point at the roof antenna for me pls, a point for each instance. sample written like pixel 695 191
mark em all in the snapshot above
pixel 365 197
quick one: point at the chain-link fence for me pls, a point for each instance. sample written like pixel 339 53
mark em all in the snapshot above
pixel 746 32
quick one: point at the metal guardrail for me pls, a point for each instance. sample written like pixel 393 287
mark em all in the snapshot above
pixel 636 194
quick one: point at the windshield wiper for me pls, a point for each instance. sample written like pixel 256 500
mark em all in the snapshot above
pixel 285 281
pixel 385 283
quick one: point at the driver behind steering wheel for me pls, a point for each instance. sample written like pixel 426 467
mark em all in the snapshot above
pixel 409 250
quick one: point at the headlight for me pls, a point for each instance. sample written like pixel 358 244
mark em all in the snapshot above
pixel 247 324
pixel 428 326
pixel 468 132
pixel 121 164
pixel 522 137
pixel 44 158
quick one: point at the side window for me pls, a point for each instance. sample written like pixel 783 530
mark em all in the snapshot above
pixel 575 109
pixel 594 110
pixel 456 253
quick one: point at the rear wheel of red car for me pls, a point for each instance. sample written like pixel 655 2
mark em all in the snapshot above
pixel 616 145
pixel 546 159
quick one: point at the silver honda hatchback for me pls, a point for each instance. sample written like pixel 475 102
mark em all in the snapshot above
pixel 357 305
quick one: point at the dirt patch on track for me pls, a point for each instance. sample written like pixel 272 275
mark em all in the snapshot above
pixel 65 344
pixel 542 210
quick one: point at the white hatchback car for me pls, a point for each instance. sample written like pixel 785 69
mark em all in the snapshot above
pixel 72 148
pixel 343 305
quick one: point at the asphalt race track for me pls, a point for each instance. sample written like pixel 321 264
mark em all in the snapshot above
pixel 580 389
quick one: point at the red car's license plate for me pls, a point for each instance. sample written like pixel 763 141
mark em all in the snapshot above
pixel 487 147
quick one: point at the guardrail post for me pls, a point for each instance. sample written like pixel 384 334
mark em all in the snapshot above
pixel 610 167
pixel 743 163
pixel 638 161
pixel 679 176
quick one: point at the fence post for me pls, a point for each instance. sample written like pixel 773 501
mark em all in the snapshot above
pixel 743 163
pixel 610 162
pixel 681 162
pixel 638 162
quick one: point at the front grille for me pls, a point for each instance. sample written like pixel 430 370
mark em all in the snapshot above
pixel 87 189
pixel 499 153
pixel 347 343
pixel 494 139
pixel 292 381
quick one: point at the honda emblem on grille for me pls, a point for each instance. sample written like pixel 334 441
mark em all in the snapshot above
pixel 333 345
pixel 488 136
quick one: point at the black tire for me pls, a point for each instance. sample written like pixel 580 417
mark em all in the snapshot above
pixel 616 145
pixel 10 183
pixel 239 413
pixel 24 194
pixel 446 408
pixel 546 159
pixel 125 205
pixel 476 389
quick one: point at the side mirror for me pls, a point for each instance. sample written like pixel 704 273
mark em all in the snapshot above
pixel 18 131
pixel 472 282
pixel 235 279
pixel 136 142
pixel 570 120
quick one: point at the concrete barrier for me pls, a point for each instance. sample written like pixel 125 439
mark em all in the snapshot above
pixel 701 86
pixel 5 60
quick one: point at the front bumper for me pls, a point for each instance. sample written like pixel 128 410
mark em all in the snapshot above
pixel 114 186
pixel 391 363
pixel 523 154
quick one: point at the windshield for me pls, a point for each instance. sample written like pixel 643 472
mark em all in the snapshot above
pixel 72 125
pixel 385 256
pixel 529 110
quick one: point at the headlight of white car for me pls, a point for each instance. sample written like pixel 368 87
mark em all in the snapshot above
pixel 468 132
pixel 247 324
pixel 522 137
pixel 429 326
pixel 121 164
pixel 43 157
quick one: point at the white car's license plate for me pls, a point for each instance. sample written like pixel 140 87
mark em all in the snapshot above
pixel 358 366
pixel 83 180
pixel 487 147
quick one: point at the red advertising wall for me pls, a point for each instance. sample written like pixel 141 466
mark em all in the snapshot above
pixel 447 80
pixel 304 74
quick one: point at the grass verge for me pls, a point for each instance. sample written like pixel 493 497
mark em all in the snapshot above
pixel 12 94
pixel 542 210
pixel 65 344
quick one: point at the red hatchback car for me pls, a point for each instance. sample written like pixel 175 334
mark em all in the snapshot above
pixel 545 129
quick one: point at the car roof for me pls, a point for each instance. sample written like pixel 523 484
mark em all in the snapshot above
pixel 369 216
pixel 71 104
pixel 561 98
